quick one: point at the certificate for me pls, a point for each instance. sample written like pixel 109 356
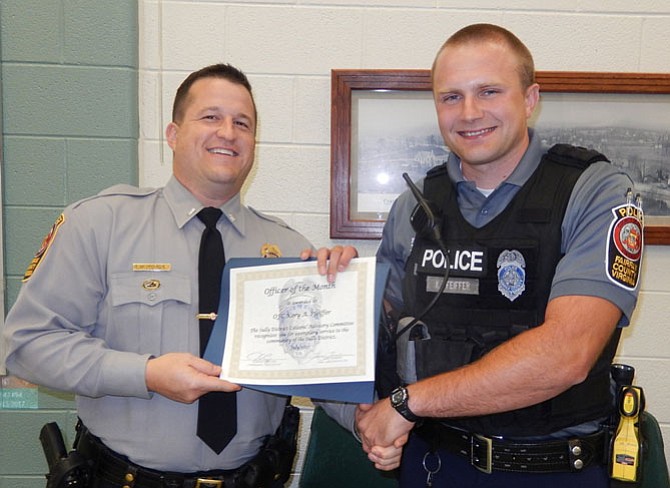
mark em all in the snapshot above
pixel 287 330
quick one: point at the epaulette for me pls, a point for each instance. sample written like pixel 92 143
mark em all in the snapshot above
pixel 119 190
pixel 575 156
pixel 437 171
pixel 130 190
pixel 270 218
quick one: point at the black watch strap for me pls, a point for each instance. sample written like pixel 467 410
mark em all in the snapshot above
pixel 399 400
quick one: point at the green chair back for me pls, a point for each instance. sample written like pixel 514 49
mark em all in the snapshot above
pixel 334 458
pixel 654 463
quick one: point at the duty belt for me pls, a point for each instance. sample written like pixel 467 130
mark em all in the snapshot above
pixel 489 454
pixel 116 468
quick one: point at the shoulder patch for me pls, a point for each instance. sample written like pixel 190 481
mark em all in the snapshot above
pixel 46 244
pixel 624 245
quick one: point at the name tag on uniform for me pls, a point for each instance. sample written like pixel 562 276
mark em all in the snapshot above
pixel 152 266
pixel 455 286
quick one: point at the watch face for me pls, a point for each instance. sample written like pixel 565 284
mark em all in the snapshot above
pixel 397 396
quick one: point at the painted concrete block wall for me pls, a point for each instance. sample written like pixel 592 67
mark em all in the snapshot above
pixel 70 128
pixel 288 47
pixel 70 108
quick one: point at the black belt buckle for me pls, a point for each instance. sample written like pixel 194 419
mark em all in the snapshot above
pixel 208 483
pixel 476 442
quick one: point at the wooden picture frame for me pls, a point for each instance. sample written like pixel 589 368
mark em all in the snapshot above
pixel 344 221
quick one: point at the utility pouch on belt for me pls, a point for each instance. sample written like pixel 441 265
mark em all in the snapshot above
pixel 66 470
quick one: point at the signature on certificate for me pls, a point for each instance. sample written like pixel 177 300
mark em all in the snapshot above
pixel 262 359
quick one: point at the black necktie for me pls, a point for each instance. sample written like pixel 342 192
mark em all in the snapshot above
pixel 217 410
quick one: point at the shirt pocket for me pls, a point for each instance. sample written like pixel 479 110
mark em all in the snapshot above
pixel 150 312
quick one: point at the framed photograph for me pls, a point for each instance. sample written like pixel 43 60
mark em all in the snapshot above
pixel 383 124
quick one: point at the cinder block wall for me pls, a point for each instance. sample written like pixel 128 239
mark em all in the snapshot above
pixel 288 48
pixel 70 128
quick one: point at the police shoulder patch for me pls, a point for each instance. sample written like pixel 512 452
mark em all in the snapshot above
pixel 46 244
pixel 624 246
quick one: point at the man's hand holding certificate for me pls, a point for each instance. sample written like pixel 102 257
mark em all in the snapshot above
pixel 288 330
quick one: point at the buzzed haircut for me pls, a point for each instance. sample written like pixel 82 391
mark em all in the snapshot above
pixel 477 33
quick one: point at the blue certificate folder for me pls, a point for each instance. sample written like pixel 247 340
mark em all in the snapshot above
pixel 355 392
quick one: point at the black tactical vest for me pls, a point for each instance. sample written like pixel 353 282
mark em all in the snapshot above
pixel 499 283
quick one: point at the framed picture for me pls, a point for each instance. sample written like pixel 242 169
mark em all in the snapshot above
pixel 383 124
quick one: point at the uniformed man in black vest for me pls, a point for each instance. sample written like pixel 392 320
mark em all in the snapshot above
pixel 514 268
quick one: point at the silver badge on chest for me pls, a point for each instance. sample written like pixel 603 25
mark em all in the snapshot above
pixel 511 274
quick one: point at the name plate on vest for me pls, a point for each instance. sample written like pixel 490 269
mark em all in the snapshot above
pixel 455 286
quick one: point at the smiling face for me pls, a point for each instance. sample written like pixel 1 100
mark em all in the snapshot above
pixel 213 142
pixel 482 108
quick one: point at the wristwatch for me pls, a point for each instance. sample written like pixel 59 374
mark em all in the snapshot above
pixel 399 398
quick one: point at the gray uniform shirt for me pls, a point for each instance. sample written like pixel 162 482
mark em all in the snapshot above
pixel 84 322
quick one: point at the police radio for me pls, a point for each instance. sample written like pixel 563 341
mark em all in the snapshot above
pixel 425 220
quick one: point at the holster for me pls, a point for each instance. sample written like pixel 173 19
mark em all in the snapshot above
pixel 275 459
pixel 66 469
